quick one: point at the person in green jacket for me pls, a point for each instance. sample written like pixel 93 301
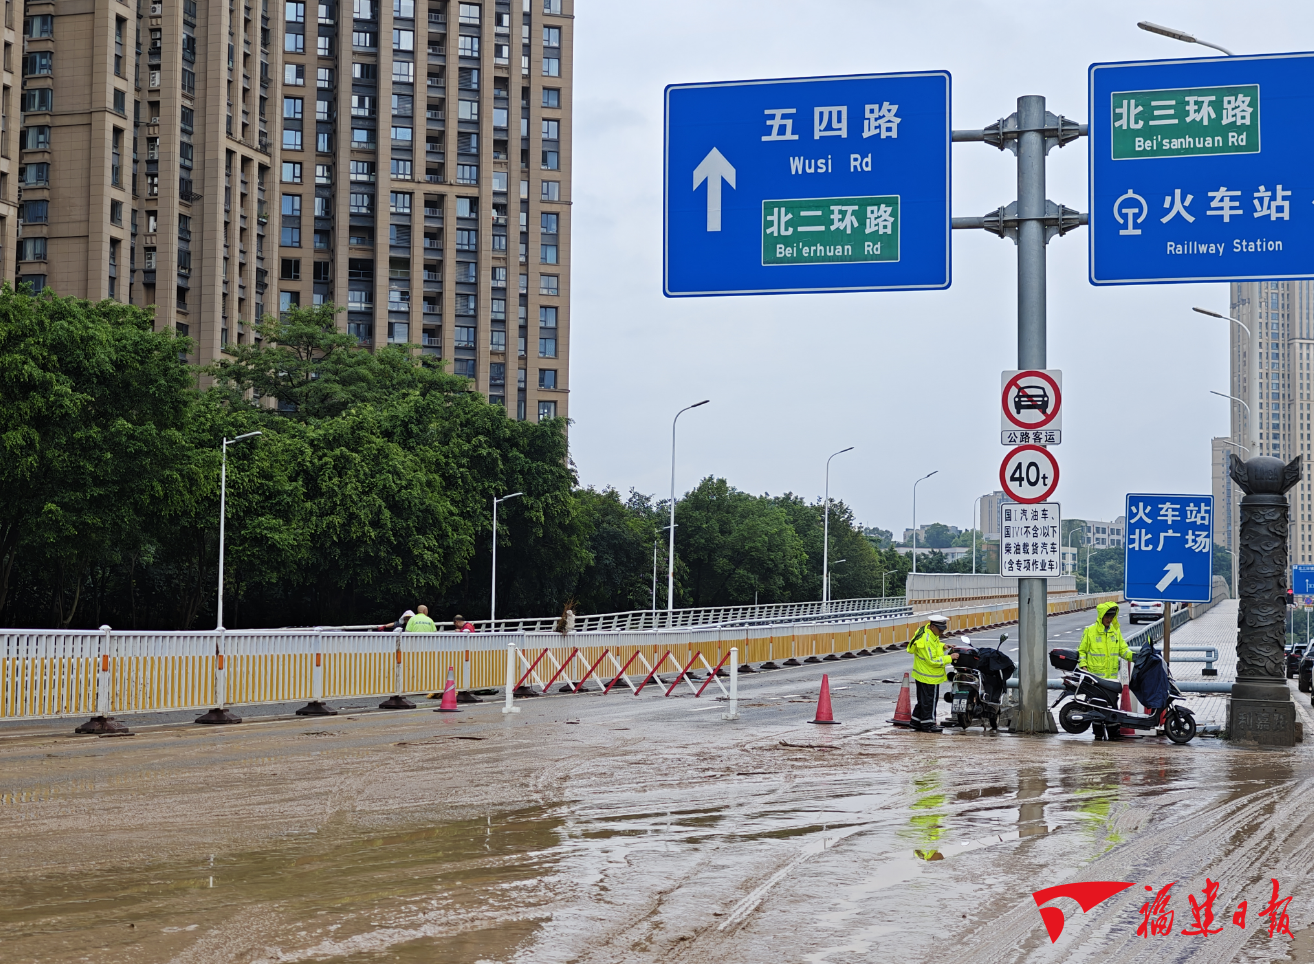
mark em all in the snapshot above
pixel 421 622
pixel 1101 647
pixel 929 664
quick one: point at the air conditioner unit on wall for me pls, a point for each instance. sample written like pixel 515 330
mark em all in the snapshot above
pixel 157 9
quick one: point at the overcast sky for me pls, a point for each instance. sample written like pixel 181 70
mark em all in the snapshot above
pixel 910 379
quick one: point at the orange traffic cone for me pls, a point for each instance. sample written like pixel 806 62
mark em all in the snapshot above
pixel 449 694
pixel 903 709
pixel 1125 706
pixel 824 714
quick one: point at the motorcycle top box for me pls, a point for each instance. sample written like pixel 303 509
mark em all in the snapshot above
pixel 968 658
pixel 1064 659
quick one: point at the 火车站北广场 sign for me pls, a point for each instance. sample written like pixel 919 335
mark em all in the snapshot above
pixel 1031 407
pixel 1199 170
pixel 1170 542
pixel 808 184
pixel 1029 540
pixel 1302 580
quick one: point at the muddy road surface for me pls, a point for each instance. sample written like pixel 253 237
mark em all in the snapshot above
pixel 598 829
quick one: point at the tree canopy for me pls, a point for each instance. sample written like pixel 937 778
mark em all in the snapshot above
pixel 368 491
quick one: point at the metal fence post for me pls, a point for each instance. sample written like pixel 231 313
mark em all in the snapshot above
pixel 511 675
pixel 317 706
pixel 218 714
pixel 102 724
pixel 734 686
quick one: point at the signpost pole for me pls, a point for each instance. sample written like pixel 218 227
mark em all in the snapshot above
pixel 1032 594
pixel 1167 629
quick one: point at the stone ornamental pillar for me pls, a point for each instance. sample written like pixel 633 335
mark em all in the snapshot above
pixel 1261 709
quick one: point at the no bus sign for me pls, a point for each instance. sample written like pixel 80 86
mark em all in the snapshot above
pixel 1029 473
pixel 1031 407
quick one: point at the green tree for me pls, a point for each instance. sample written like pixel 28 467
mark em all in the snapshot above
pixel 622 536
pixel 937 536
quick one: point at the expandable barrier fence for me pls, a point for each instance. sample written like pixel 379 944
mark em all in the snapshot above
pixel 104 672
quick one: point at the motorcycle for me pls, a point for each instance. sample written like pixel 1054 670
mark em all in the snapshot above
pixel 1091 699
pixel 977 689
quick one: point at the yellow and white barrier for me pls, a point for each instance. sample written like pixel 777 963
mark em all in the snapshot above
pixel 104 673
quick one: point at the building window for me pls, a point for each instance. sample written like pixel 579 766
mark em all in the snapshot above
pixel 404 134
pixel 295 12
pixel 403 39
pixel 292 205
pixel 547 348
pixel 186 119
pixel 39 98
pixel 401 169
pixel 497 341
pixel 497 309
pixel 364 39
pixel 547 410
pixel 551 190
pixel 551 161
pixel 291 237
pixel 323 271
pixel 32 249
pixel 467 174
pixel 292 107
pixel 547 285
pixel 547 378
pixel 37 212
pixel 467 46
pixel 42 25
pixel 551 130
pixel 322 240
pixel 362 138
pixel 39 63
pixel 291 140
pixel 290 269
pixel 548 222
pixel 287 300
pixel 547 316
pixel 294 43
pixel 551 36
pixel 292 172
pixel 323 173
pixel 403 72
pixel 399 203
pixel 469 13
pixel 34 174
pixel 551 67
pixel 467 110
pixel 465 336
pixel 116 212
pixel 548 254
pixel 324 46
pixel 362 204
pixel 294 75
pixel 36 138
pixel 551 97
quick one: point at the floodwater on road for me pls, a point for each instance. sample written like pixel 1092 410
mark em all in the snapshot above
pixel 622 829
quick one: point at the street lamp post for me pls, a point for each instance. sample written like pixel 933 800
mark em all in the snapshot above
pixel 670 562
pixel 492 609
pixel 825 539
pixel 1181 35
pixel 223 485
pixel 827 586
pixel 914 545
pixel 883 575
pixel 1252 375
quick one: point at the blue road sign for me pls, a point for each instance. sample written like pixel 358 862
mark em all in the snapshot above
pixel 1302 580
pixel 1170 547
pixel 807 184
pixel 1199 170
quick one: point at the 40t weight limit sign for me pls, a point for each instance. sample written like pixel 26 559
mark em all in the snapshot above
pixel 1029 474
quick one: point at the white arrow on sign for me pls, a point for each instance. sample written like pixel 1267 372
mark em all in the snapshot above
pixel 713 169
pixel 1174 573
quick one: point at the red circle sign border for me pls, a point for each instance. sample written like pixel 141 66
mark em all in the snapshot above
pixel 1058 398
pixel 1003 479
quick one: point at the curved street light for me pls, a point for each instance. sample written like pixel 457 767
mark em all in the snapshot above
pixel 492 614
pixel 223 485
pixel 1182 35
pixel 914 545
pixel 670 561
pixel 825 539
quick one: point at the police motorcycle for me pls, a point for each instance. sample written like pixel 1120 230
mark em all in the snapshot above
pixel 977 689
pixel 1089 699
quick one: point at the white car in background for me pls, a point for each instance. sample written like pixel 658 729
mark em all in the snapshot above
pixel 1143 610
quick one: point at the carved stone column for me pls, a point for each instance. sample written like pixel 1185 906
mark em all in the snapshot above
pixel 1261 710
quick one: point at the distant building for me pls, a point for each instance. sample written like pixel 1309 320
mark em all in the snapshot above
pixel 989 518
pixel 1105 535
pixel 1069 557
pixel 921 534
pixel 950 553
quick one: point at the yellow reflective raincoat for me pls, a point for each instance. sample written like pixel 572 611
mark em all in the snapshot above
pixel 929 658
pixel 1101 648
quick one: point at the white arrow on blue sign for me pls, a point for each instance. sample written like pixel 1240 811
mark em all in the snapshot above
pixel 809 184
pixel 1169 547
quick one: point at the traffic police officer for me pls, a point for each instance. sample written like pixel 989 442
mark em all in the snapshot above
pixel 929 663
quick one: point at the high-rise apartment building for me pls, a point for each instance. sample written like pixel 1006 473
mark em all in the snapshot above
pixel 223 160
pixel 1277 344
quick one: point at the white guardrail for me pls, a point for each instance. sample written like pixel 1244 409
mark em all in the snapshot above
pixel 102 673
